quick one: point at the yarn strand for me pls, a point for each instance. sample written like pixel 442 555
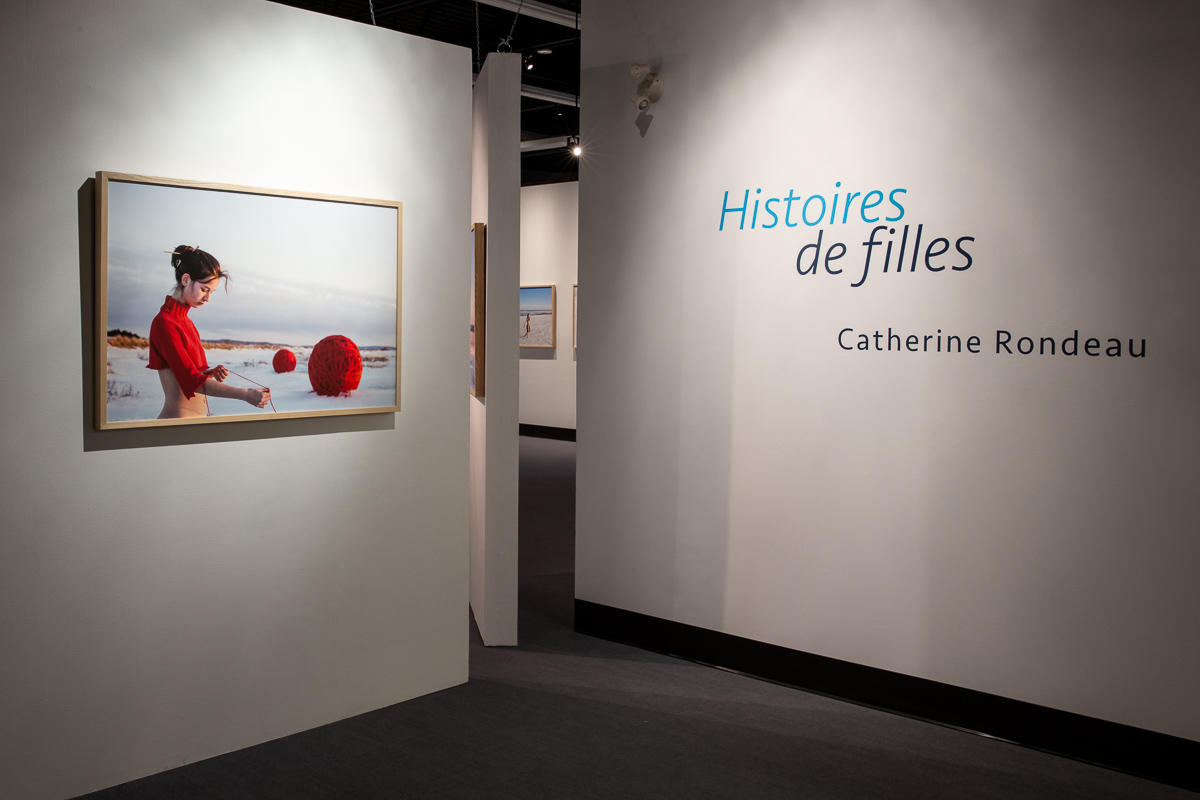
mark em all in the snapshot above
pixel 208 410
pixel 256 383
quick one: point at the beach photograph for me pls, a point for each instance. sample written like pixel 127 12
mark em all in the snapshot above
pixel 228 304
pixel 537 316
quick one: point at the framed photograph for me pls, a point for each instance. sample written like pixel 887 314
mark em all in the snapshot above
pixel 575 315
pixel 537 316
pixel 221 303
pixel 478 308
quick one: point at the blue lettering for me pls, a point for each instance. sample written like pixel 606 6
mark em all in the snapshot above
pixel 867 204
pixel 774 216
pixel 804 210
pixel 725 209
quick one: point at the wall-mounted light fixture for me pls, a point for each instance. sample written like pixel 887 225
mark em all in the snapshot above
pixel 649 90
pixel 574 146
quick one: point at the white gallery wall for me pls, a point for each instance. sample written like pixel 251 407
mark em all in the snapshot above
pixel 167 595
pixel 550 255
pixel 496 202
pixel 1019 523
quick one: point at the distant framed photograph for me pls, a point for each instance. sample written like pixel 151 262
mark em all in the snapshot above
pixel 537 316
pixel 575 315
pixel 478 308
pixel 222 303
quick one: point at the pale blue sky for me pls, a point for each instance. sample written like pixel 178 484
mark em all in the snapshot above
pixel 535 299
pixel 301 269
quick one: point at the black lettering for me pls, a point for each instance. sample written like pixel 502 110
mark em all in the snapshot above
pixel 1043 345
pixel 816 254
pixel 1074 342
pixel 1137 355
pixel 950 339
pixel 890 337
pixel 1089 344
pixel 829 256
pixel 1115 345
pixel 973 342
pixel 1003 343
pixel 958 246
pixel 916 248
pixel 864 342
pixel 900 258
pixel 870 244
pixel 930 253
pixel 911 343
pixel 1021 348
pixel 879 336
pixel 927 338
pixel 840 334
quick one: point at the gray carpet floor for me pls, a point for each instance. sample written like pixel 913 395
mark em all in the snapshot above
pixel 570 716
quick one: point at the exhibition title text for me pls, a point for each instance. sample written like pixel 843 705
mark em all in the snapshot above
pixel 884 211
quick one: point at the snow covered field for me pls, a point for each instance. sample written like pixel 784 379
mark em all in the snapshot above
pixel 135 393
pixel 541 330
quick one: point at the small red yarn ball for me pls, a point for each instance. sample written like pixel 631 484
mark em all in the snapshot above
pixel 284 361
pixel 335 366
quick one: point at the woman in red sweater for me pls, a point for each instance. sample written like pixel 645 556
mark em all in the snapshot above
pixel 175 349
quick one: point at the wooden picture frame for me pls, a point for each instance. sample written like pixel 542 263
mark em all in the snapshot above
pixel 575 315
pixel 478 315
pixel 303 266
pixel 537 303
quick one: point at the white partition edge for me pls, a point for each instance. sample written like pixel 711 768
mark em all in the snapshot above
pixel 496 201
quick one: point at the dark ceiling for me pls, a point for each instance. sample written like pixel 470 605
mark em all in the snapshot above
pixel 454 21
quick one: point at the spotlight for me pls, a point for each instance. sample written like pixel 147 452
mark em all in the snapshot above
pixel 528 60
pixel 649 90
pixel 573 145
pixel 545 51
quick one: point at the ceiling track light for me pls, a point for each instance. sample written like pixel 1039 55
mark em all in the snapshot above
pixel 574 146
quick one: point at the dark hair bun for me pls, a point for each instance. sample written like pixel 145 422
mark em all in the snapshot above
pixel 201 266
pixel 183 254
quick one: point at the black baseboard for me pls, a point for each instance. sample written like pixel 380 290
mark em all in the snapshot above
pixel 1157 756
pixel 547 432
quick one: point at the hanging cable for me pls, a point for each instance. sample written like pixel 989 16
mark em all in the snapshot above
pixel 371 5
pixel 478 48
pixel 506 42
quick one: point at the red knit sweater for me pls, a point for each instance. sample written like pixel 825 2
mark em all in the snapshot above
pixel 175 343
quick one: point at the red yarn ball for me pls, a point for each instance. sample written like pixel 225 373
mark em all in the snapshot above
pixel 335 366
pixel 284 361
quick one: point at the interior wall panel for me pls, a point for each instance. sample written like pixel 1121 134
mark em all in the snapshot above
pixel 167 595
